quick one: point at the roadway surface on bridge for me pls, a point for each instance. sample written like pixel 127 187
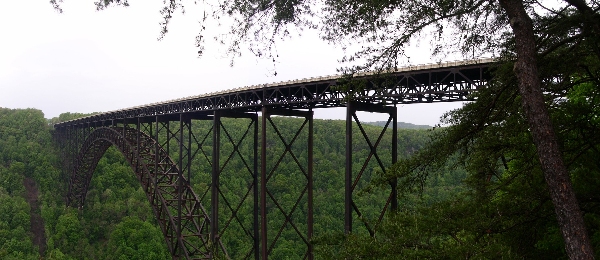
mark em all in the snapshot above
pixel 438 82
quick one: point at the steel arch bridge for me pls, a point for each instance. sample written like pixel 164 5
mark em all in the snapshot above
pixel 163 149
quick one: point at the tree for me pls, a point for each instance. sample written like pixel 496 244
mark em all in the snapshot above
pixel 385 28
pixel 557 178
pixel 68 234
pixel 507 203
pixel 136 239
pixel 375 23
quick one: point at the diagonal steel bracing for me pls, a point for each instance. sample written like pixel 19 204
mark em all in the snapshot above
pixel 235 206
pixel 167 154
pixel 284 218
pixel 183 220
pixel 353 178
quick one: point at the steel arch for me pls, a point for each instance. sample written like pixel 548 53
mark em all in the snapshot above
pixel 165 187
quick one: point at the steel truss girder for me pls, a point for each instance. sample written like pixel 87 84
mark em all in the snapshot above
pixel 414 86
pixel 266 174
pixel 183 220
pixel 351 181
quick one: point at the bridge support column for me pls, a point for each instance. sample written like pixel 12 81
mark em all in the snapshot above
pixel 174 136
pixel 351 180
pixel 164 135
pixel 227 212
pixel 216 171
pixel 184 150
pixel 270 162
pixel 69 154
pixel 76 135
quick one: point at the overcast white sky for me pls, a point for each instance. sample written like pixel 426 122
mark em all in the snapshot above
pixel 87 61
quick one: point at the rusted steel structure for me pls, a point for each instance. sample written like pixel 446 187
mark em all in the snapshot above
pixel 163 150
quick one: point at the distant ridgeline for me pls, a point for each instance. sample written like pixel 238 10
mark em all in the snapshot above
pixel 401 125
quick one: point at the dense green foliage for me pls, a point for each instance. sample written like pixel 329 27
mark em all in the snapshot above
pixel 117 222
pixel 505 210
pixel 24 153
pixel 477 194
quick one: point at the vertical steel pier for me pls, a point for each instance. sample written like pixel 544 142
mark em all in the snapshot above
pixel 219 169
pixel 269 199
pixel 351 180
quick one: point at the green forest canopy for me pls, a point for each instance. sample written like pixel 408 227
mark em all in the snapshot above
pixel 486 201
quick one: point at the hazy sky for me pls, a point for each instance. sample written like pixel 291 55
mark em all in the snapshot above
pixel 85 61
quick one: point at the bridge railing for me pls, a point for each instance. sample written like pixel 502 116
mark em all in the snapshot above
pixel 437 82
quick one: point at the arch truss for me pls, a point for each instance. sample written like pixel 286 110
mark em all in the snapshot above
pixel 182 218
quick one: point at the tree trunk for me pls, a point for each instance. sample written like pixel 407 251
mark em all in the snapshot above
pixel 568 214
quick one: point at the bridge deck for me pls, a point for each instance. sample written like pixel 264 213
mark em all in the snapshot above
pixel 439 82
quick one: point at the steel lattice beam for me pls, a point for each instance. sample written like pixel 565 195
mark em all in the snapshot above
pixel 183 220
pixel 445 82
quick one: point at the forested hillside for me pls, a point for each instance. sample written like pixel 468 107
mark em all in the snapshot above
pixel 460 209
pixel 117 222
pixel 26 154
